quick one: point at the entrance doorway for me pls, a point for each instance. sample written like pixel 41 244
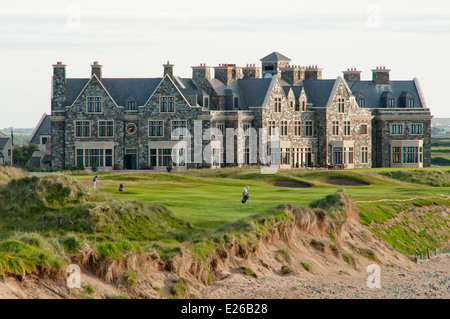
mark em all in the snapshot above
pixel 131 158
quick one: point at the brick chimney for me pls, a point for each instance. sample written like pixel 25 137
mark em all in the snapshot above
pixel 292 74
pixel 58 87
pixel 97 70
pixel 380 76
pixel 201 72
pixel 352 75
pixel 251 72
pixel 313 73
pixel 168 69
pixel 227 73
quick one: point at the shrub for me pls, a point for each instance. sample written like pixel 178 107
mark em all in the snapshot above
pixel 368 253
pixel 286 270
pixel 130 277
pixel 306 265
pixel 348 259
pixel 249 272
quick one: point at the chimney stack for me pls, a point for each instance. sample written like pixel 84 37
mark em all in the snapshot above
pixel 352 75
pixel 313 73
pixel 97 70
pixel 251 72
pixel 58 87
pixel 291 74
pixel 201 72
pixel 168 69
pixel 227 73
pixel 380 76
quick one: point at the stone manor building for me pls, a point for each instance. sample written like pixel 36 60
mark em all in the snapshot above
pixel 143 123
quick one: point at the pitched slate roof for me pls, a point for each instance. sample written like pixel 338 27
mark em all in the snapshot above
pixel 44 127
pixel 254 91
pixel 3 142
pixel 318 91
pixel 375 94
pixel 275 56
pixel 121 90
pixel 137 90
pixel 73 89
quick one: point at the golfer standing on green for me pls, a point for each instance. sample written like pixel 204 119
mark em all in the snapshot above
pixel 245 195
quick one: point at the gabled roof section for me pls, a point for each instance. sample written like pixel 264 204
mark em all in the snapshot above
pixel 318 91
pixel 167 77
pixel 255 92
pixel 93 78
pixel 125 90
pixel 44 127
pixel 121 90
pixel 3 142
pixel 275 56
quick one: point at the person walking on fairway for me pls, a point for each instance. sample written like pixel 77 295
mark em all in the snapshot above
pixel 245 195
pixel 94 181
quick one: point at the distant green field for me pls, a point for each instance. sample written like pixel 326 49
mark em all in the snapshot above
pixel 440 151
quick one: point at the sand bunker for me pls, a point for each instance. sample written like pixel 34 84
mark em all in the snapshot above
pixel 343 181
pixel 288 183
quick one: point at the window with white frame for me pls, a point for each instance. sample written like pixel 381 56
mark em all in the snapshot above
pixel 416 129
pixel 221 128
pixel 156 128
pixel 297 128
pixel 364 155
pixel 82 128
pixel 272 128
pixel 179 128
pixel 246 128
pixel 94 104
pixel 277 105
pixel 341 105
pixel 94 157
pixel 284 128
pixel 362 103
pixel 391 103
pixel 303 102
pixel 309 129
pixel 396 129
pixel 346 128
pixel 105 128
pixel 131 106
pixel 396 155
pixel 335 128
pixel 166 104
pixel 410 102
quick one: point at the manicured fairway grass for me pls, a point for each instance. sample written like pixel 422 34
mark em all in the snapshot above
pixel 210 198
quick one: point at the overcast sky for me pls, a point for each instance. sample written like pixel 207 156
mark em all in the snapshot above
pixel 134 38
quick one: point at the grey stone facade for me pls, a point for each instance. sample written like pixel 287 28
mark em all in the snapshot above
pixel 345 122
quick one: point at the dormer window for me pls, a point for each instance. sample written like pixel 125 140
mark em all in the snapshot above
pixel 410 102
pixel 131 106
pixel 236 102
pixel 391 103
pixel 206 103
pixel 362 103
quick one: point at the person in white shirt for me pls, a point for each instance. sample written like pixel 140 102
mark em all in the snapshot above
pixel 245 195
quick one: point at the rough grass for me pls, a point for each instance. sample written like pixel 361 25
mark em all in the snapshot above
pixel 437 178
